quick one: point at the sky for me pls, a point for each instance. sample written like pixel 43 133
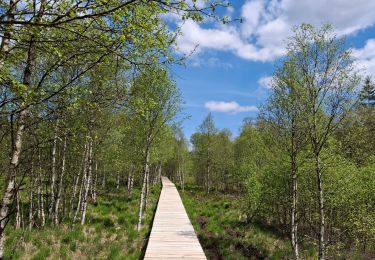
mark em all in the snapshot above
pixel 229 72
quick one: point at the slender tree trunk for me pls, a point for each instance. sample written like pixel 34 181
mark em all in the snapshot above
pixel 53 173
pixel 83 181
pixel 31 196
pixel 208 178
pixel 129 179
pixel 183 180
pixel 11 181
pixel 294 216
pixel 147 187
pixel 93 186
pixel 321 207
pixel 18 213
pixel 60 187
pixel 41 214
pixel 118 180
pixel 5 43
pixel 159 178
pixel 88 183
pixel 73 195
pixel 131 184
pixel 143 192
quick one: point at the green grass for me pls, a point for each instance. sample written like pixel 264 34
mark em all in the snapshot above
pixel 217 221
pixel 109 233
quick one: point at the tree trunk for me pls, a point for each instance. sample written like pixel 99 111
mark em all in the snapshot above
pixel 18 213
pixel 53 173
pixel 31 196
pixel 208 178
pixel 93 186
pixel 5 43
pixel 41 214
pixel 73 195
pixel 321 207
pixel 183 180
pixel 131 184
pixel 143 192
pixel 118 180
pixel 294 215
pixel 159 178
pixel 129 178
pixel 147 187
pixel 11 181
pixel 83 181
pixel 88 183
pixel 60 187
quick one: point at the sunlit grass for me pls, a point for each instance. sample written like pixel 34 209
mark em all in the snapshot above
pixel 109 233
pixel 224 235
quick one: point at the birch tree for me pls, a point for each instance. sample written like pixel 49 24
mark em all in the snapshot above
pixel 326 77
pixel 153 104
pixel 283 112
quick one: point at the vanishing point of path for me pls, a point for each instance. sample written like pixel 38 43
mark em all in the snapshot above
pixel 172 235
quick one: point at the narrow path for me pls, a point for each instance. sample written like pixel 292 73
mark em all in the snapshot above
pixel 172 235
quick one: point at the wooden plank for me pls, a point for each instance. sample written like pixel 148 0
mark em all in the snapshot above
pixel 172 234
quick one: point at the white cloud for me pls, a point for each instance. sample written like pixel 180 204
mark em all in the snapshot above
pixel 225 38
pixel 366 56
pixel 231 107
pixel 265 82
pixel 267 23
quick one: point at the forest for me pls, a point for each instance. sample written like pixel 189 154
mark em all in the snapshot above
pixel 90 119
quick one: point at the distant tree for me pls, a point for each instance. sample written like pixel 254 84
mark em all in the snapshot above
pixel 203 142
pixel 367 95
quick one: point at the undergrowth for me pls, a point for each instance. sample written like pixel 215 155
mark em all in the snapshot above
pixel 109 233
pixel 224 235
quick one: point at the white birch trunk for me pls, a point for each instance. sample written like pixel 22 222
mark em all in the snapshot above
pixel 321 209
pixel 53 174
pixel 74 192
pixel 88 183
pixel 83 181
pixel 5 43
pixel 147 187
pixel 60 187
pixel 31 197
pixel 18 213
pixel 11 181
pixel 143 192
pixel 93 186
pixel 118 180
pixel 41 214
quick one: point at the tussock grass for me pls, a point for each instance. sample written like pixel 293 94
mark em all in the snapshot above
pixel 109 233
pixel 224 235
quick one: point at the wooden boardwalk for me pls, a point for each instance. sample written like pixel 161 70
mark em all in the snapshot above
pixel 172 235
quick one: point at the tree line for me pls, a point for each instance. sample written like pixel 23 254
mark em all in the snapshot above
pixel 306 164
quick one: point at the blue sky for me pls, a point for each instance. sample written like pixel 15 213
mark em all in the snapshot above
pixel 229 72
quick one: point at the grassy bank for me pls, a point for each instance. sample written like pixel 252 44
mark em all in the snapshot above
pixel 223 235
pixel 110 232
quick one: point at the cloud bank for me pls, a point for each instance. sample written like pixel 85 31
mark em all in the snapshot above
pixel 366 57
pixel 267 23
